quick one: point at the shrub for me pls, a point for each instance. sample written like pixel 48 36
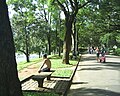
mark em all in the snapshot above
pixel 117 51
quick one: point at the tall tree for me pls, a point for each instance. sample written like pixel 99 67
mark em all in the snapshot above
pixel 22 21
pixel 9 82
pixel 70 9
pixel 47 17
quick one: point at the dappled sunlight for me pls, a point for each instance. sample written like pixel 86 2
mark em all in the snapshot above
pixel 92 92
pixel 93 78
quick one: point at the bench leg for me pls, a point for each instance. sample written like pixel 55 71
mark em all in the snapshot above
pixel 48 77
pixel 40 83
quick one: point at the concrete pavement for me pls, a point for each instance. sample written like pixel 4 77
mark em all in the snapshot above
pixel 96 79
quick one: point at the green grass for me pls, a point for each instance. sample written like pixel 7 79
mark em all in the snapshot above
pixel 24 64
pixel 38 94
pixel 56 63
pixel 63 73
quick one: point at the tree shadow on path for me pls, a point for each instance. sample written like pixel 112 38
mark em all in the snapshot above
pixel 114 65
pixel 102 66
pixel 93 92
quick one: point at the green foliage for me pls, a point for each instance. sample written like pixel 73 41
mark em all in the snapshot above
pixel 97 20
pixel 118 39
pixel 63 73
pixel 117 51
pixel 109 39
pixel 38 94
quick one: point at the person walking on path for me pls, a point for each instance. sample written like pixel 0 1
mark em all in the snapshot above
pixel 97 53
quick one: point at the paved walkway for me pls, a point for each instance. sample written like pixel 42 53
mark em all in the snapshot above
pixel 96 79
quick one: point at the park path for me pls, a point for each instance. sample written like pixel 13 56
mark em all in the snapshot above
pixel 96 79
pixel 28 71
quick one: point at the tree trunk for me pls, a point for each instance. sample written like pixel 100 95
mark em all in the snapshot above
pixel 74 41
pixel 9 82
pixel 67 41
pixel 39 54
pixel 27 51
pixel 77 43
pixel 59 48
pixel 49 44
pixel 27 43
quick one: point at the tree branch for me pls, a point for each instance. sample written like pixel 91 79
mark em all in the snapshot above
pixel 22 51
pixel 71 2
pixel 66 3
pixel 81 6
pixel 62 7
pixel 45 16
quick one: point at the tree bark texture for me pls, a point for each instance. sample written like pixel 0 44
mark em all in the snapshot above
pixel 27 44
pixel 49 43
pixel 74 40
pixel 67 40
pixel 9 82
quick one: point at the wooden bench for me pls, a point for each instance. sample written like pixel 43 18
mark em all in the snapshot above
pixel 41 76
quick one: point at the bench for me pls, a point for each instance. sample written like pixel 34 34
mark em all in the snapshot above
pixel 41 76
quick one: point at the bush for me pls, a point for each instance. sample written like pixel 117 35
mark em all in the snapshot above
pixel 82 50
pixel 117 51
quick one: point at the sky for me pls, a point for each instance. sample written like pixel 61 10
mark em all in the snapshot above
pixel 11 12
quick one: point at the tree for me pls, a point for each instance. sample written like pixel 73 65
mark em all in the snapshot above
pixel 9 82
pixel 21 23
pixel 70 9
pixel 46 14
pixel 21 35
pixel 111 11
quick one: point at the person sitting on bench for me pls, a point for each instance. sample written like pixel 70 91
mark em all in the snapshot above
pixel 46 64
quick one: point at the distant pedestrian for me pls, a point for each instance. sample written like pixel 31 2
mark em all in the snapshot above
pixel 97 53
pixel 103 51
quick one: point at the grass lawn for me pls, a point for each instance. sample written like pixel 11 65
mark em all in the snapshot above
pixel 56 64
pixel 63 72
pixel 38 94
pixel 24 64
pixel 60 71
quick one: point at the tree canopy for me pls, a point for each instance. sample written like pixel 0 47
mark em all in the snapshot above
pixel 41 24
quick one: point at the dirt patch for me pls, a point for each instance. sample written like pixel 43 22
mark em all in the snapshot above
pixel 26 72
